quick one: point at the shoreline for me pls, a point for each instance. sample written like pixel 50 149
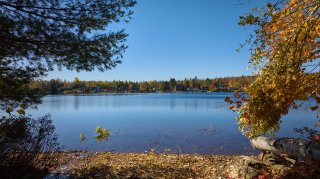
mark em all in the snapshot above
pixel 123 93
pixel 88 164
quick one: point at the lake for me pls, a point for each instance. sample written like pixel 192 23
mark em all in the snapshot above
pixel 179 122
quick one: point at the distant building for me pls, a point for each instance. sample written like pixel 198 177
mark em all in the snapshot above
pixel 79 90
pixel 179 87
pixel 112 89
pixel 204 89
pixel 122 89
pixel 95 89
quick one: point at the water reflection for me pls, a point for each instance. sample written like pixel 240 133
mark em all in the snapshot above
pixel 139 100
pixel 76 102
pixel 181 122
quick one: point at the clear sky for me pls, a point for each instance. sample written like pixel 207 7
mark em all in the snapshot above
pixel 179 38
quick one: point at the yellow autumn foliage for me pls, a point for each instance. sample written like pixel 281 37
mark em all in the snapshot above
pixel 285 54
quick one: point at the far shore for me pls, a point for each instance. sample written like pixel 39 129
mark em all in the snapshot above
pixel 156 92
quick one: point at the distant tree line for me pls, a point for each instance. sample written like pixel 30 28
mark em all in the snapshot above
pixel 58 86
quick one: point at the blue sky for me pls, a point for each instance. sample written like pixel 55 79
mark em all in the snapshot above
pixel 179 38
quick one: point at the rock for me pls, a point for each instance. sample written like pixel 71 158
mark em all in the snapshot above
pixel 252 162
pixel 251 167
pixel 247 167
pixel 271 159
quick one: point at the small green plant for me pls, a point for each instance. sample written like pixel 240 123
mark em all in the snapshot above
pixel 83 137
pixel 103 134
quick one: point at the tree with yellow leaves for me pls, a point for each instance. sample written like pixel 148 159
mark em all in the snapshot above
pixel 285 51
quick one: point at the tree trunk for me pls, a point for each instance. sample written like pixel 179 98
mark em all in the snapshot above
pixel 294 147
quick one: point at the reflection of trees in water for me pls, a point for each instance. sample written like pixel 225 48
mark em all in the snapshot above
pixel 56 102
pixel 76 102
pixel 126 101
pixel 173 103
pixel 190 104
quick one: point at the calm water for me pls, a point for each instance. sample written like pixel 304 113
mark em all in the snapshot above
pixel 181 122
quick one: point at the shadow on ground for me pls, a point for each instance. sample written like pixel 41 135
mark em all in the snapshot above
pixel 22 172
